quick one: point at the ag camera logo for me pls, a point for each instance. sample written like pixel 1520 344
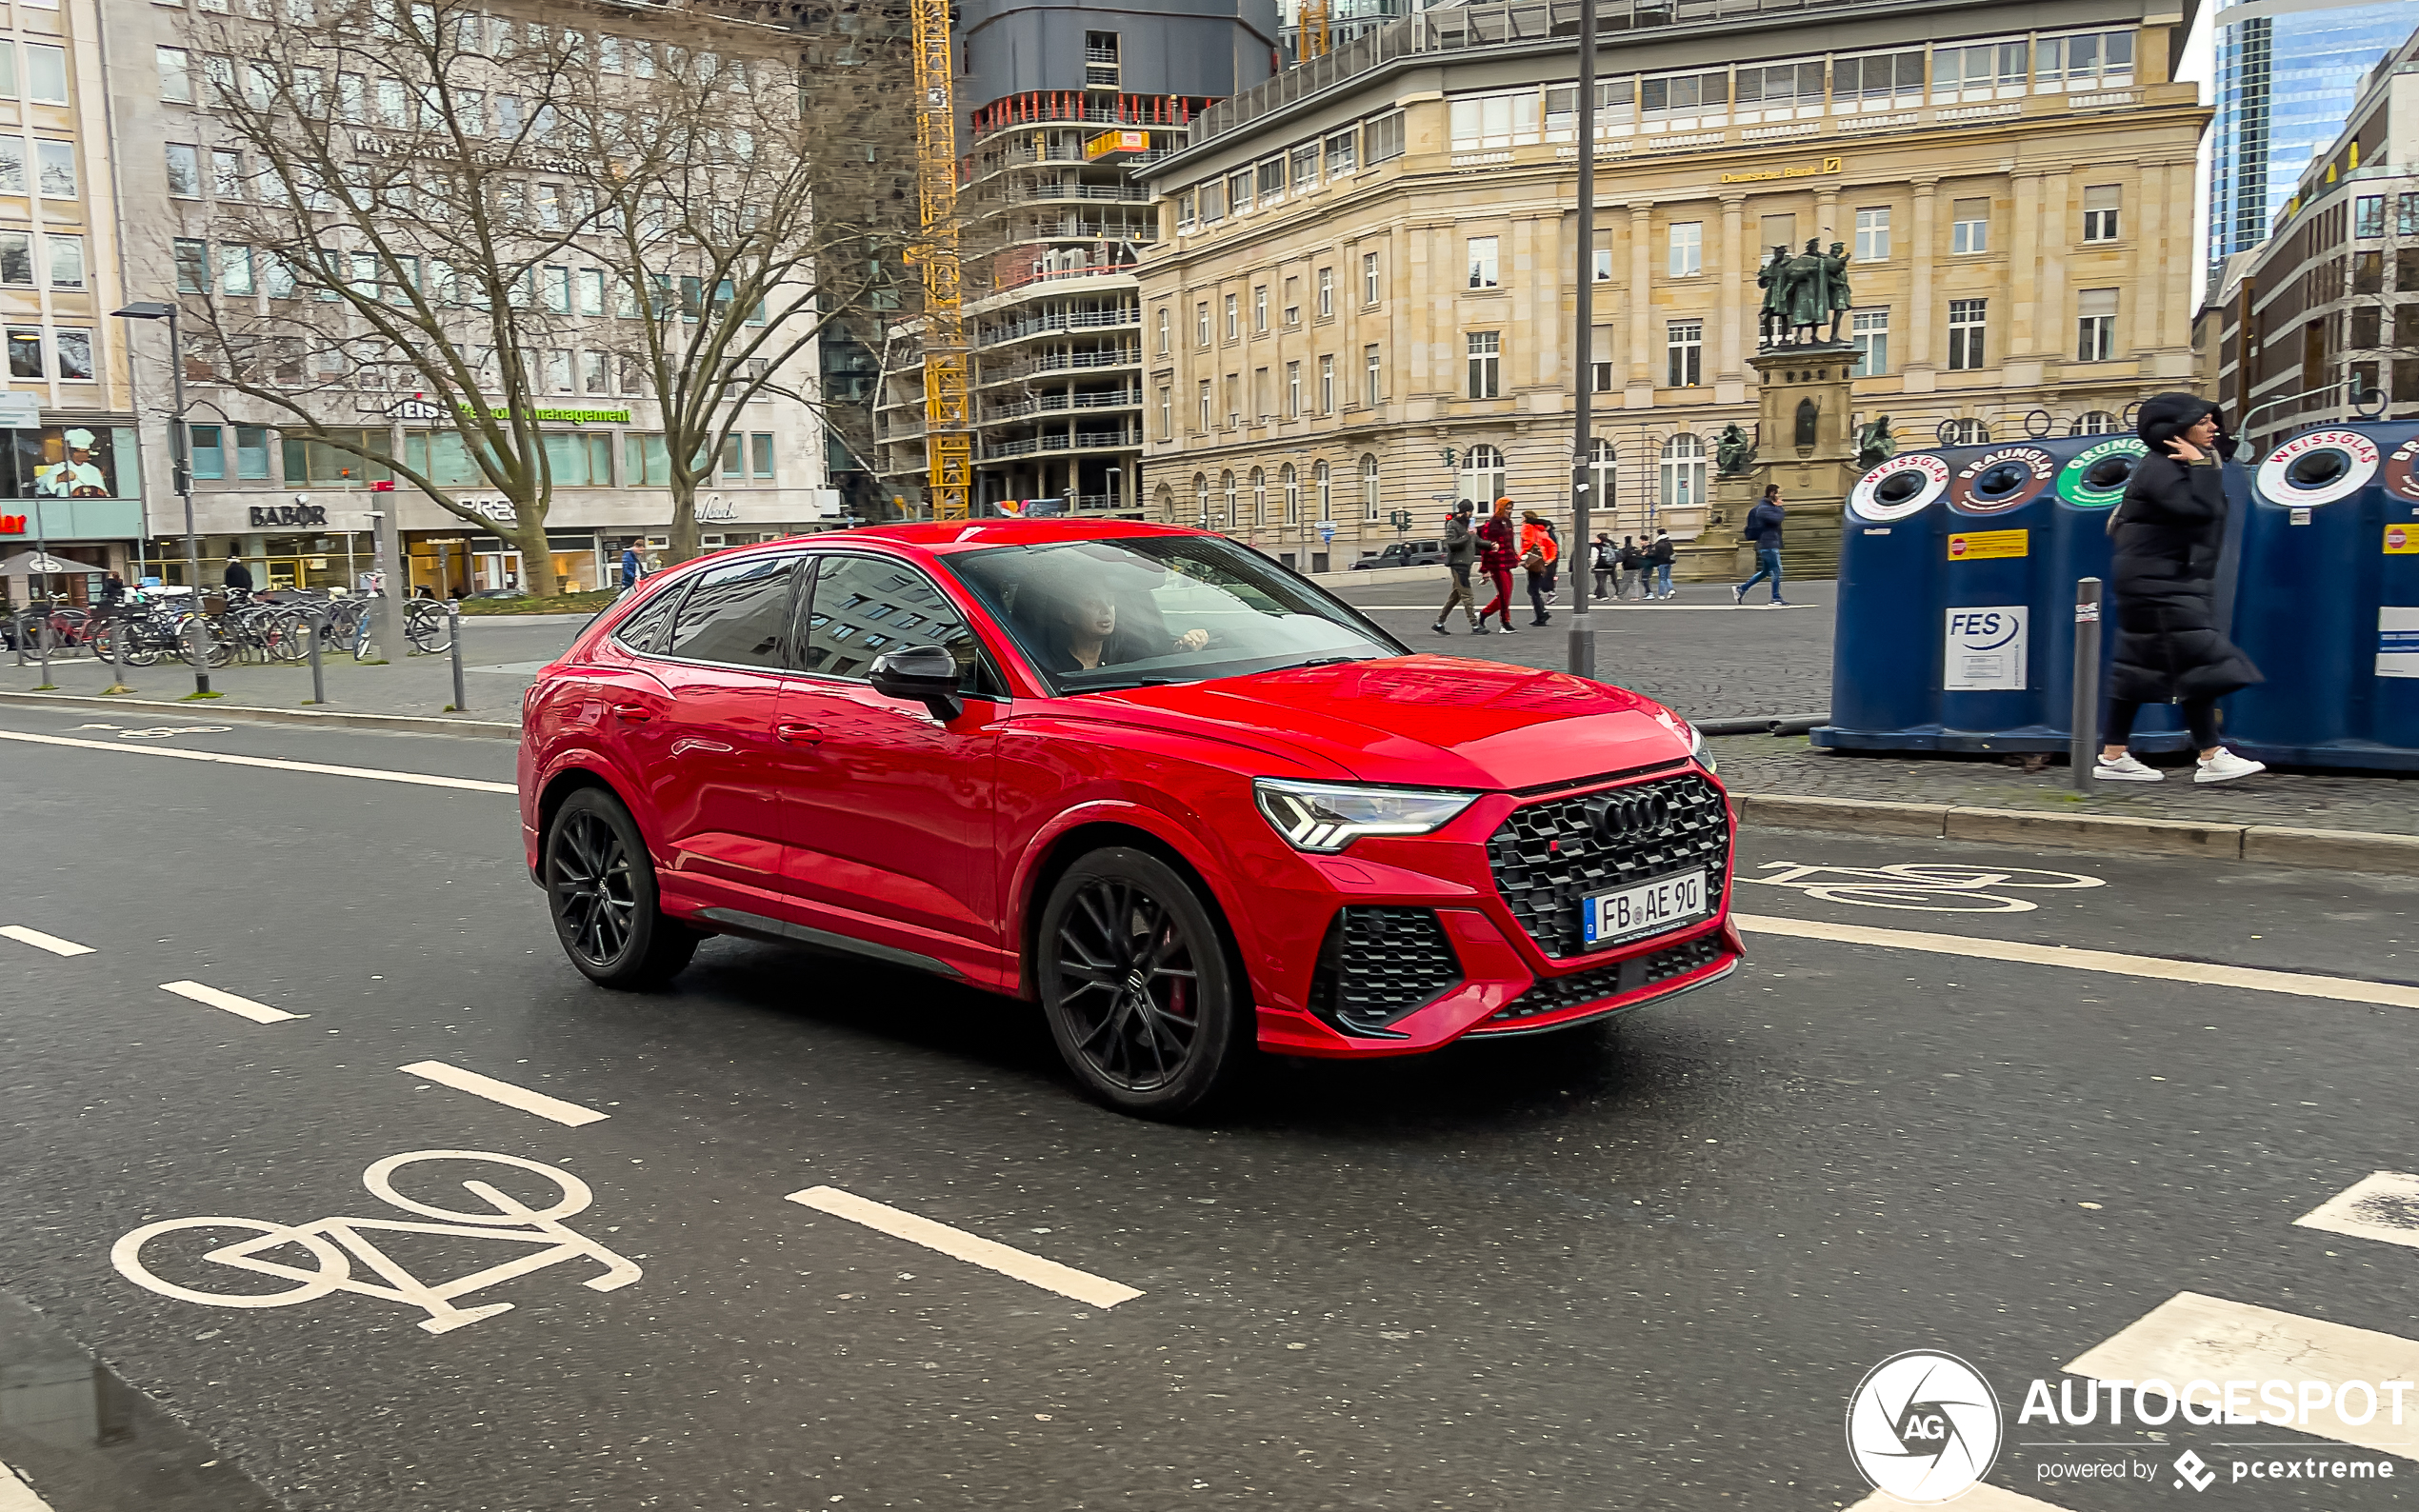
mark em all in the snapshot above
pixel 1923 1426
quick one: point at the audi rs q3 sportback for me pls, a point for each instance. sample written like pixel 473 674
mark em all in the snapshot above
pixel 1178 796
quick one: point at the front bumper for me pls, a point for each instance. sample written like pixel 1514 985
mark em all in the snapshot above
pixel 1481 968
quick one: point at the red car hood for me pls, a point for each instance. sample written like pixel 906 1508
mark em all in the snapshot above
pixel 1427 721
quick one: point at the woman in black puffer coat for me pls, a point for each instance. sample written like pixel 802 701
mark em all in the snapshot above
pixel 2167 530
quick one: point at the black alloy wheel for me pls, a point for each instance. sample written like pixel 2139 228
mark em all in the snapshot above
pixel 600 886
pixel 1136 981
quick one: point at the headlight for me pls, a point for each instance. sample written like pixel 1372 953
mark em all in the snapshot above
pixel 1326 817
pixel 1699 752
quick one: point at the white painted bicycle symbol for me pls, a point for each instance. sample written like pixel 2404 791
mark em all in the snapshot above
pixel 330 1267
pixel 161 732
pixel 1922 886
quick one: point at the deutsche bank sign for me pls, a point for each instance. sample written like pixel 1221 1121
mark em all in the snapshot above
pixel 1984 650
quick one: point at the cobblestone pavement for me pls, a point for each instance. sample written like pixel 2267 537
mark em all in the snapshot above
pixel 1705 657
pixel 1770 763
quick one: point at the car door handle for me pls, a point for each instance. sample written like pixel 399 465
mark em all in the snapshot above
pixel 633 713
pixel 798 734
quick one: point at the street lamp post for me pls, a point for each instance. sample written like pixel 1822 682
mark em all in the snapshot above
pixel 1583 628
pixel 181 472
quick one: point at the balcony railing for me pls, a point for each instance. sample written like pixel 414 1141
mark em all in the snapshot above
pixel 1081 440
pixel 1026 194
pixel 1058 320
pixel 1073 107
pixel 1059 404
pixel 1000 372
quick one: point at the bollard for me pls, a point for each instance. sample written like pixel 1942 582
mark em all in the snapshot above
pixel 318 674
pixel 16 623
pixel 453 642
pixel 2083 753
pixel 42 633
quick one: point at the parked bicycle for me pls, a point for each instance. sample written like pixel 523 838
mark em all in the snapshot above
pixel 427 628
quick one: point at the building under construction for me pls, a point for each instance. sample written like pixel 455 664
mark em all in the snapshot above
pixel 1052 107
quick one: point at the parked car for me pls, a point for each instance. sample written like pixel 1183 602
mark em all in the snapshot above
pixel 1404 553
pixel 1189 803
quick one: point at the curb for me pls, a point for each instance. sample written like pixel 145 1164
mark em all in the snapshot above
pixel 417 724
pixel 1762 725
pixel 2273 845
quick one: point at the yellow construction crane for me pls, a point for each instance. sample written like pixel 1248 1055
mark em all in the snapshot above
pixel 948 444
pixel 1312 42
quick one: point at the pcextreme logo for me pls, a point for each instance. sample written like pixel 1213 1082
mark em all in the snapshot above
pixel 1923 1426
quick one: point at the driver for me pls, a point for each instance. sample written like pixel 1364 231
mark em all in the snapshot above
pixel 1079 632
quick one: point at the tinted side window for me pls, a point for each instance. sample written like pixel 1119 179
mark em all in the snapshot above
pixel 736 614
pixel 863 606
pixel 644 630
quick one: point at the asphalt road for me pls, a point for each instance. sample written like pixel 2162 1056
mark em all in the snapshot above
pixel 1646 1267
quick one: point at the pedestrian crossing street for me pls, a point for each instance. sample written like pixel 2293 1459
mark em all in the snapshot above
pixel 2193 1337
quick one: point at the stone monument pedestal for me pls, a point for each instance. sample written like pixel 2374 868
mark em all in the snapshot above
pixel 1806 444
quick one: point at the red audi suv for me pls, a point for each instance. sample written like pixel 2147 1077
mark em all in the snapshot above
pixel 1180 796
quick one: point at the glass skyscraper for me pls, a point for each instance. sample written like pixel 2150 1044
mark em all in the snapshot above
pixel 2287 73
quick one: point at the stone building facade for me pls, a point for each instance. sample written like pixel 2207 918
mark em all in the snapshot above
pixel 1361 304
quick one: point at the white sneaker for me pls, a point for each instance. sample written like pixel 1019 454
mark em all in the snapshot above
pixel 2224 766
pixel 2126 769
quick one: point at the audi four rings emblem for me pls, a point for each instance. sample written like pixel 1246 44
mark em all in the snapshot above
pixel 1625 814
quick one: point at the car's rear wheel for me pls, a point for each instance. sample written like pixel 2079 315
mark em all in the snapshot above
pixel 1134 978
pixel 600 886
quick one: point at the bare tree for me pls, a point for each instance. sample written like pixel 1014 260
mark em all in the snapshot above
pixel 475 212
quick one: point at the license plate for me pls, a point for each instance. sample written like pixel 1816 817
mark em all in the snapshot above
pixel 1649 907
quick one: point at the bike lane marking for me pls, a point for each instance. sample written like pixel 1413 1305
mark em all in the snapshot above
pixel 957 1243
pixel 321 768
pixel 2381 1205
pixel 44 942
pixel 15 1496
pixel 229 1002
pixel 1982 1498
pixel 569 1114
pixel 2342 989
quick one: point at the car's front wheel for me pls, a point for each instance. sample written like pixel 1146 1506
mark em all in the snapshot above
pixel 1135 981
pixel 600 886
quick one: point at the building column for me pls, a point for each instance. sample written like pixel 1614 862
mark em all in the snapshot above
pixel 1919 363
pixel 2142 310
pixel 1638 304
pixel 2053 334
pixel 2023 286
pixel 1826 219
pixel 1730 374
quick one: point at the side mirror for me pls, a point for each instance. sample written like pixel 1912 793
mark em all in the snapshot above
pixel 919 674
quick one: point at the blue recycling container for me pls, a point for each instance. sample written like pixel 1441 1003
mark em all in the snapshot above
pixel 2328 602
pixel 1955 629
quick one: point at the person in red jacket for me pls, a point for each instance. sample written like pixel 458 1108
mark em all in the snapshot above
pixel 1496 555
pixel 1538 546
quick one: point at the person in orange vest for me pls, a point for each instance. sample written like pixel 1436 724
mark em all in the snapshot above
pixel 1538 554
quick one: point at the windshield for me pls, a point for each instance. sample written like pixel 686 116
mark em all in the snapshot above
pixel 1182 608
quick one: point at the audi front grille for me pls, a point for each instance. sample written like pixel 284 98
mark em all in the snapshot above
pixel 1548 856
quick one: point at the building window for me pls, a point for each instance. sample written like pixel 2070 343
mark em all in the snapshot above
pixel 1780 85
pixel 1201 500
pixel 1260 308
pixel 1368 486
pixel 1687 248
pixel 1163 331
pixel 1600 359
pixel 1327 386
pixel 25 352
pixel 17 258
pixel 1305 167
pixel 66 260
pixel 1259 499
pixel 1326 292
pixel 1872 234
pixel 1234 317
pixel 2086 62
pixel 54 169
pixel 184 171
pixel 1485 363
pixel 1878 76
pixel 1602 259
pixel 176 74
pixel 1965 433
pixel 1506 119
pixel 1239 191
pixel 1290 483
pixel 1294 391
pixel 1482 261
pixel 2095 324
pixel 1382 139
pixel 1204 425
pixel 1965 334
pixel 1271 174
pixel 1600 477
pixel 2099 205
pixel 1368 278
pixel 1969 227
pixel 1201 324
pixel 1483 477
pixel 76 353
pixel 2367 216
pixel 1261 411
pixel 1684 354
pixel 1372 387
pixel 1234 400
pixel 1322 487
pixel 1293 302
pixel 1166 413
pixel 1682 471
pixel 193 264
pixel 2407 214
pixel 1214 204
pixel 46 73
pixel 1982 66
pixel 1682 94
pixel 1226 497
pixel 1869 333
pixel 1342 151
pixel 2094 423
pixel 1187 205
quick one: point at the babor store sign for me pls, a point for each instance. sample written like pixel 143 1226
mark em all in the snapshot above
pixel 272 514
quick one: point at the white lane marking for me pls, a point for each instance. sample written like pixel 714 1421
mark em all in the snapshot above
pixel 1982 1498
pixel 956 1243
pixel 15 1496
pixel 44 942
pixel 160 732
pixel 504 1092
pixel 321 768
pixel 512 669
pixel 2384 1204
pixel 229 1002
pixel 2343 989
pixel 1922 886
pixel 2189 1338
pixel 504 1217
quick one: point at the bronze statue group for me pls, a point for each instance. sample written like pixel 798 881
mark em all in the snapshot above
pixel 1802 291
